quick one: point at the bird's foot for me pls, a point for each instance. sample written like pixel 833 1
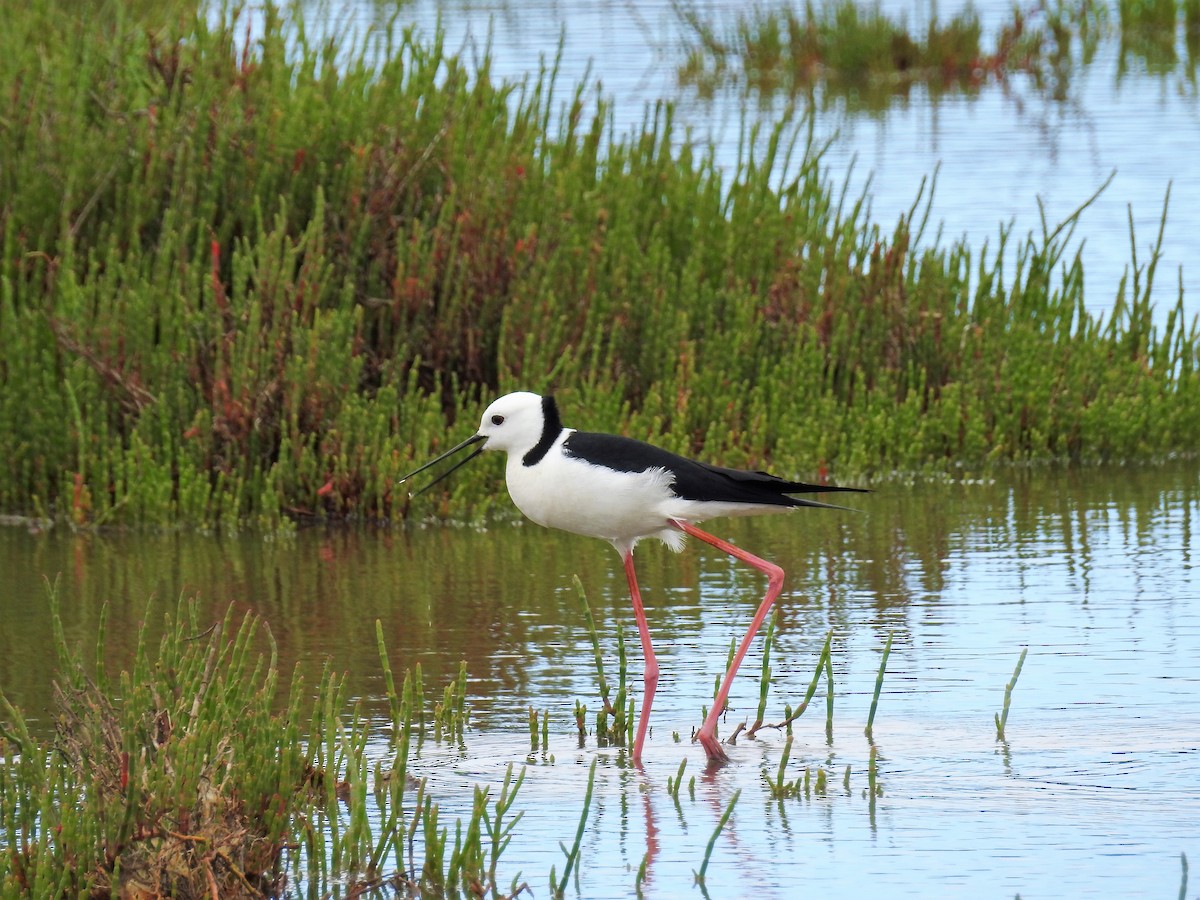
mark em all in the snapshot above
pixel 712 748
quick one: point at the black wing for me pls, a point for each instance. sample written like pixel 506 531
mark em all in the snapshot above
pixel 694 480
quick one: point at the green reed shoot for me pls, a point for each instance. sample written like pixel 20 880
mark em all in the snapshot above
pixel 887 648
pixel 829 696
pixel 399 713
pixel 451 714
pixel 623 706
pixel 778 787
pixel 433 878
pixel 404 706
pixel 621 710
pixel 717 679
pixel 765 682
pixel 792 714
pixel 673 784
pixel 594 635
pixel 622 673
pixel 581 721
pixel 467 861
pixel 498 830
pixel 558 888
pixel 418 819
pixel 388 841
pixel 461 713
pixel 418 695
pixel 1002 716
pixel 712 841
pixel 822 661
pixel 619 707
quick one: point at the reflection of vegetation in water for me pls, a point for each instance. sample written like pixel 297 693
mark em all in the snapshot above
pixel 855 52
pixel 1149 31
pixel 858 54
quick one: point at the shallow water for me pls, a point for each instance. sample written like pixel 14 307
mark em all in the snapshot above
pixel 1093 794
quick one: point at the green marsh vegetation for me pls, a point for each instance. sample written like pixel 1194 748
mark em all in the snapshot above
pixel 249 280
pixel 196 773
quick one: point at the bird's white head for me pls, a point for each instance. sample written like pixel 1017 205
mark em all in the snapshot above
pixel 520 424
pixel 516 422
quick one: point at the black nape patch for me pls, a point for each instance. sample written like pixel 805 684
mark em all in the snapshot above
pixel 551 428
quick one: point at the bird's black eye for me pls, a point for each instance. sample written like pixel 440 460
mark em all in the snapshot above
pixel 497 420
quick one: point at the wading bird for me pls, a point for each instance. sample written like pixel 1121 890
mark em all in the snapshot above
pixel 623 490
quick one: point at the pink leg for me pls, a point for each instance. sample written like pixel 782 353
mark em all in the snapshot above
pixel 651 674
pixel 707 733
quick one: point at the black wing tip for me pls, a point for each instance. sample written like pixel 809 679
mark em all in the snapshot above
pixel 783 495
pixel 835 487
pixel 799 503
pixel 802 487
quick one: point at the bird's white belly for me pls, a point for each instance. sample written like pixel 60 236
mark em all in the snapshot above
pixel 576 496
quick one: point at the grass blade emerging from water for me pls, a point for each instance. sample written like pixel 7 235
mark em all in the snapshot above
pixel 559 888
pixel 673 784
pixel 1002 716
pixel 878 685
pixel 594 635
pixel 712 841
pixel 765 681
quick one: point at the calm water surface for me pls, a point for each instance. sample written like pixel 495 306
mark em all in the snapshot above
pixel 1095 792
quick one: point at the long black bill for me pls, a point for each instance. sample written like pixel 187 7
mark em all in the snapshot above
pixel 473 439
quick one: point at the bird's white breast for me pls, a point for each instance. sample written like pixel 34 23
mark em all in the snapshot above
pixel 568 493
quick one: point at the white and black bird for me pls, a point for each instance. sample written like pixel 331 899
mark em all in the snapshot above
pixel 623 490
